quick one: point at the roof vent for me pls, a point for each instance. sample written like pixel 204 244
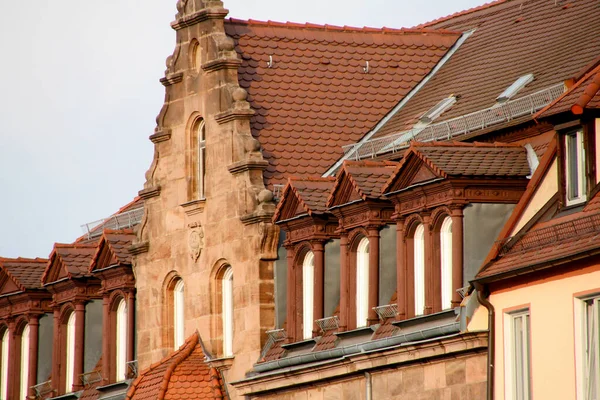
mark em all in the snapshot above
pixel 438 109
pixel 514 88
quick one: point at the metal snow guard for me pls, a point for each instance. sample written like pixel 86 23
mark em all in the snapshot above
pixel 446 130
pixel 43 389
pixel 387 311
pixel 123 220
pixel 329 323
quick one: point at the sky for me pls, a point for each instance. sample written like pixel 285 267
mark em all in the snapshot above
pixel 80 92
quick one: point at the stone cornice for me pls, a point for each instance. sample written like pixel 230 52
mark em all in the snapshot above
pixel 194 207
pixel 222 63
pixel 150 192
pixel 172 79
pixel 247 165
pixel 199 16
pixel 255 218
pixel 138 248
pixel 160 136
pixel 233 114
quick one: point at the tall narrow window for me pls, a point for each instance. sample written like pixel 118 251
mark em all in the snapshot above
pixel 517 362
pixel 587 341
pixel 201 159
pixel 227 312
pixel 575 168
pixel 419 260
pixel 362 283
pixel 69 364
pixel 308 279
pixel 178 314
pixel 24 362
pixel 121 337
pixel 446 262
pixel 4 372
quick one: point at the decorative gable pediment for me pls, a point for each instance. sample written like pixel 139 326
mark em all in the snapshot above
pixel 56 269
pixel 104 257
pixel 412 171
pixel 344 191
pixel 7 284
pixel 290 205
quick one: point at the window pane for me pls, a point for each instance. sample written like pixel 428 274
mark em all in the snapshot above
pixel 362 283
pixel 308 279
pixel 419 260
pixel 4 372
pixel 572 167
pixel 121 353
pixel 227 312
pixel 446 262
pixel 24 362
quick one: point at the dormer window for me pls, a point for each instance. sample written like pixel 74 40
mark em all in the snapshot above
pixel 575 186
pixel 514 88
pixel 308 278
pixel 433 113
pixel 362 283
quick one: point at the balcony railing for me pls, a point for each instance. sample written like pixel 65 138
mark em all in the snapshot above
pixel 387 311
pixel 123 220
pixel 89 378
pixel 132 369
pixel 42 389
pixel 449 129
pixel 329 323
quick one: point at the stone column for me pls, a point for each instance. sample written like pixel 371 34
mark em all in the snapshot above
pixel 457 254
pixel 428 244
pixel 34 333
pixel 400 269
pixel 291 295
pixel 318 250
pixel 344 281
pixel 56 351
pixel 373 300
pixel 106 340
pixel 79 345
pixel 130 326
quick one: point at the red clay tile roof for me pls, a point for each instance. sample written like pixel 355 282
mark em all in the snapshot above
pixel 366 177
pixel 511 39
pixel 26 273
pixel 550 241
pixel 466 159
pixel 74 259
pixel 184 374
pixel 311 193
pixel 317 97
pixel 118 241
pixel 90 392
pixel 327 341
pixel 585 93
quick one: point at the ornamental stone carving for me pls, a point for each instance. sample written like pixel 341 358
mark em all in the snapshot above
pixel 196 242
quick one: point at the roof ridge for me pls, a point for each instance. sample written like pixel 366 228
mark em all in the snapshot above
pixel 312 179
pixel 370 163
pixel 464 12
pixel 75 245
pixel 455 143
pixel 23 259
pixel 345 28
pixel 590 91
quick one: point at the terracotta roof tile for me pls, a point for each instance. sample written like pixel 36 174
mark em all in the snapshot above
pixel 184 374
pixel 327 341
pixel 386 329
pixel 275 352
pixel 118 241
pixel 311 193
pixel 511 39
pixel 90 392
pixel 307 105
pixel 25 272
pixel 75 260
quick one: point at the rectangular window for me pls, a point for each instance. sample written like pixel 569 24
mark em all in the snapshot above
pixel 517 362
pixel 575 168
pixel 587 342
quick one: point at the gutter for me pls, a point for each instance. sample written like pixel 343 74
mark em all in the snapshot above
pixel 342 352
pixel 491 338
pixel 404 100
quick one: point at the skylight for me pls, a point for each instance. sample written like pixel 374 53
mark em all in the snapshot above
pixel 438 109
pixel 514 88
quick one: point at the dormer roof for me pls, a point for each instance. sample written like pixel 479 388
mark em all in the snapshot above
pixel 20 274
pixel 430 161
pixel 69 261
pixel 112 249
pixel 304 196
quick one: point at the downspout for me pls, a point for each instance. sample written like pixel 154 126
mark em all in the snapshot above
pixel 491 338
pixel 369 387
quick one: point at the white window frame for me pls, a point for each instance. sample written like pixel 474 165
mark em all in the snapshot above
pixel 446 262
pixel 24 362
pixel 227 311
pixel 419 269
pixel 4 366
pixel 178 314
pixel 587 351
pixel 70 353
pixel 121 341
pixel 362 283
pixel 201 159
pixel 578 138
pixel 517 355
pixel 308 292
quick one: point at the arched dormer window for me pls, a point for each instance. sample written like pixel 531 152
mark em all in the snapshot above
pixel 227 310
pixel 24 362
pixel 70 353
pixel 200 184
pixel 419 268
pixel 446 262
pixel 178 313
pixel 121 341
pixel 362 282
pixel 4 366
pixel 308 279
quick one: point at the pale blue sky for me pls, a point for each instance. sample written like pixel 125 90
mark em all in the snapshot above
pixel 79 94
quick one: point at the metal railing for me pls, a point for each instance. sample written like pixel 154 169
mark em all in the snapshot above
pixel 42 389
pixel 329 323
pixel 277 192
pixel 89 378
pixel 446 130
pixel 132 369
pixel 273 336
pixel 123 220
pixel 387 311
pixel 552 234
